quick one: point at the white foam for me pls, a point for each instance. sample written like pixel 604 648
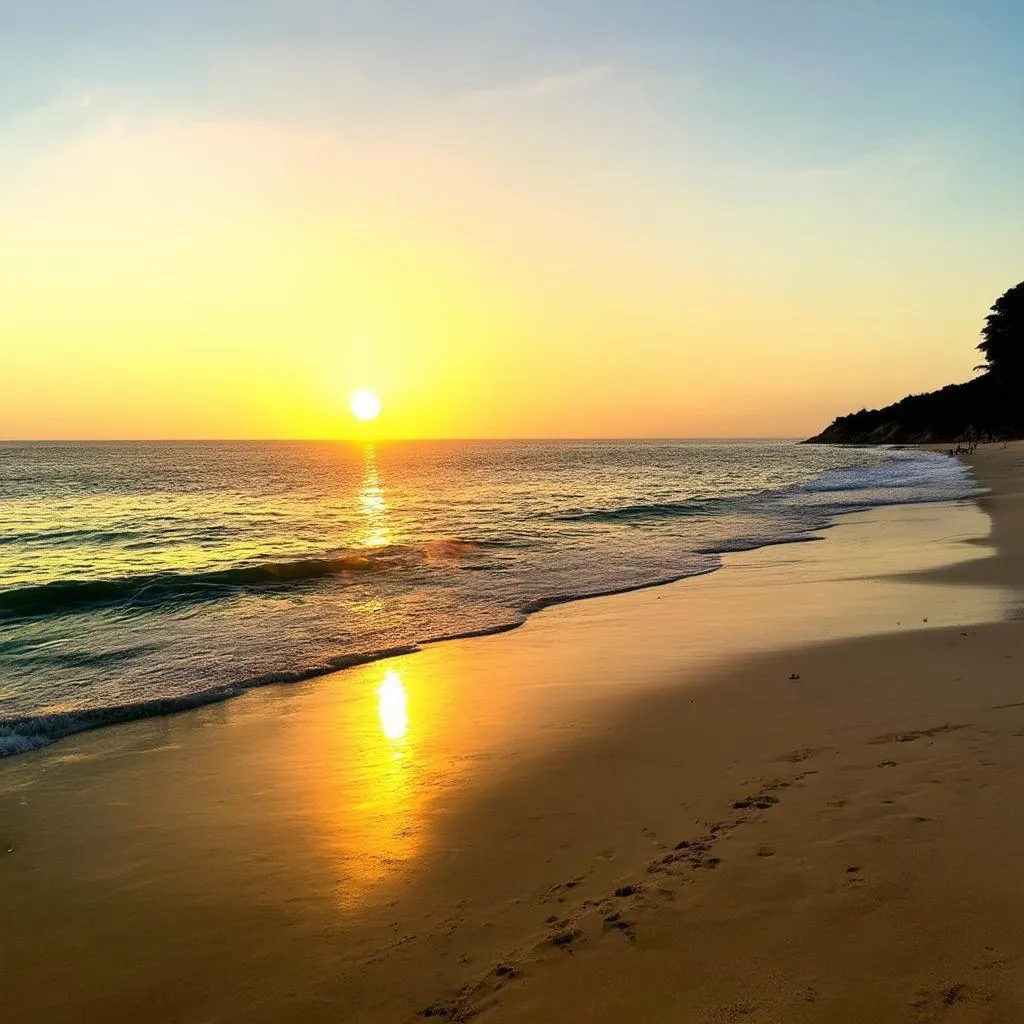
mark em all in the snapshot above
pixel 903 470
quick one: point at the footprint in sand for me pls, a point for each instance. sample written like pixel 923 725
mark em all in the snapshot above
pixel 802 754
pixel 917 734
pixel 565 939
pixel 929 1002
pixel 628 890
pixel 616 922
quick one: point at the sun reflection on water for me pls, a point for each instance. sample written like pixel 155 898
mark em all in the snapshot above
pixel 371 503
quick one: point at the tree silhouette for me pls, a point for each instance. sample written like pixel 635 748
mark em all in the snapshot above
pixel 990 407
pixel 1003 337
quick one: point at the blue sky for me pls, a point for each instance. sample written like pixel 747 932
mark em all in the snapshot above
pixel 795 80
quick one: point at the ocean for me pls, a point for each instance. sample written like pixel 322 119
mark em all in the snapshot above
pixel 141 578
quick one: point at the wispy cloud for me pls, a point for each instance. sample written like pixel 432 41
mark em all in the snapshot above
pixel 912 168
pixel 535 89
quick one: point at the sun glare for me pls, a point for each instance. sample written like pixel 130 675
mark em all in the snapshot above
pixel 365 405
pixel 392 707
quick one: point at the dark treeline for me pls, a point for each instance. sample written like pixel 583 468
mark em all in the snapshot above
pixel 988 408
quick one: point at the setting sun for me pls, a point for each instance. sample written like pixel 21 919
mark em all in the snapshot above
pixel 365 405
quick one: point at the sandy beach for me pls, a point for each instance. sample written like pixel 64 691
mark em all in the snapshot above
pixel 786 791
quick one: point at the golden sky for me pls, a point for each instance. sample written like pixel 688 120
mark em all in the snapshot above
pixel 600 239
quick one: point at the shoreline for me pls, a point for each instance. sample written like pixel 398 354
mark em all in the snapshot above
pixel 321 853
pixel 23 734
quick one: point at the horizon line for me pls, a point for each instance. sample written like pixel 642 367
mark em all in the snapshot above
pixel 400 440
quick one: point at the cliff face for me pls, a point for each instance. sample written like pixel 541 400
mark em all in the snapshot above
pixel 981 409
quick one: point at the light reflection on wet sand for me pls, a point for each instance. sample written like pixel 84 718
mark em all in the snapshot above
pixel 415 736
pixel 366 792
pixel 393 709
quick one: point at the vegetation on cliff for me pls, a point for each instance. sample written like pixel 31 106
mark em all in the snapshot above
pixel 989 407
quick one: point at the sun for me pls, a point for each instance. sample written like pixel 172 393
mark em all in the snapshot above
pixel 365 405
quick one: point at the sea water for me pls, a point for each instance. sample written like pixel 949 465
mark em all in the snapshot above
pixel 139 578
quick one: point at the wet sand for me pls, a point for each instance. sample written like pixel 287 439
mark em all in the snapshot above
pixel 775 793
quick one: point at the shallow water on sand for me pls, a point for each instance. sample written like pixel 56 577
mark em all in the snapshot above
pixel 139 578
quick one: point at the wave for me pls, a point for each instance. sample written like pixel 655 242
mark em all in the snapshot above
pixel 904 470
pixel 930 472
pixel 61 597
pixel 63 536
pixel 655 510
pixel 66 596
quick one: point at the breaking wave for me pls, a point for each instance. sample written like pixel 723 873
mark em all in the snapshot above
pixel 63 596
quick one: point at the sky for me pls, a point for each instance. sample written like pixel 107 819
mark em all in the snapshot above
pixel 510 218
